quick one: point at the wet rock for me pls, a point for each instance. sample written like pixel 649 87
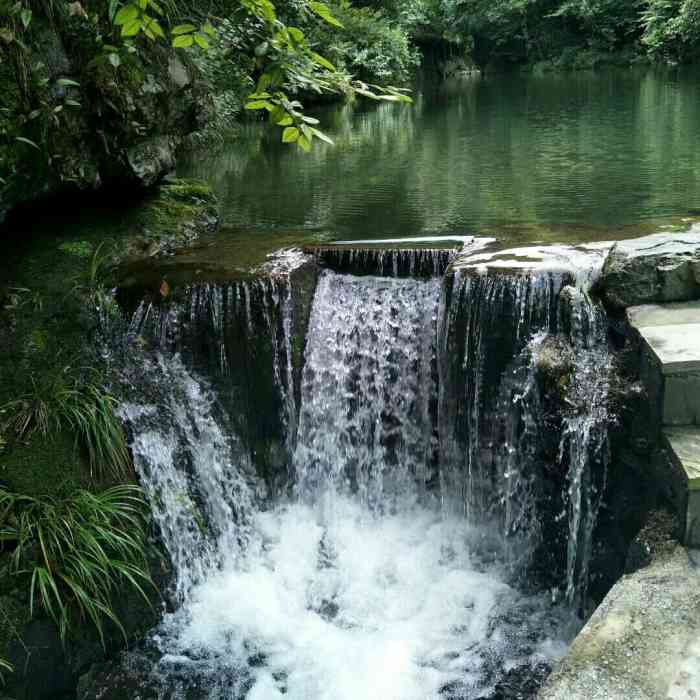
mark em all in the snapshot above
pixel 149 160
pixel 111 124
pixel 663 267
pixel 555 365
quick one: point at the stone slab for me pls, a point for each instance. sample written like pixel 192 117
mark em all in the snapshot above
pixel 642 643
pixel 681 400
pixel 684 446
pixel 679 313
pixel 664 267
pixel 685 443
pixel 677 347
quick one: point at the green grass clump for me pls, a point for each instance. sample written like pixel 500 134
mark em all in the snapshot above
pixel 77 552
pixel 62 401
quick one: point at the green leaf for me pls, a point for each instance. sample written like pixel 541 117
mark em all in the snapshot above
pixel 67 82
pixel 26 17
pixel 155 7
pixel 260 104
pixel 201 41
pixel 126 14
pixel 132 28
pixel 285 121
pixel 208 29
pixel 290 135
pixel 323 11
pixel 183 29
pixel 304 144
pixel 183 41
pixel 297 35
pixel 151 25
pixel 114 59
pixel 73 103
pixel 323 62
pixel 322 136
pixel 310 120
pixel 29 142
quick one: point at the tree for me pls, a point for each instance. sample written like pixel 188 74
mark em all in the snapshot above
pixel 283 54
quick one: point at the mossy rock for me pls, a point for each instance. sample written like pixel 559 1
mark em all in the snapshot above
pixel 101 129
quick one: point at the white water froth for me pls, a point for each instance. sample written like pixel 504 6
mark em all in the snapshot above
pixel 337 603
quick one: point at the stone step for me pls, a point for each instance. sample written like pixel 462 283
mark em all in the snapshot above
pixel 683 446
pixel 671 335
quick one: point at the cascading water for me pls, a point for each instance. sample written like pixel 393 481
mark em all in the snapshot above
pixel 486 321
pixel 196 476
pixel 239 335
pixel 397 262
pixel 422 459
pixel 504 327
pixel 584 443
pixel 367 424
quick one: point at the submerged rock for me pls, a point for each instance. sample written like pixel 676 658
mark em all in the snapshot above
pixel 663 267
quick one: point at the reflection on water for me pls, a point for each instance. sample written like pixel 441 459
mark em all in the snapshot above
pixel 566 157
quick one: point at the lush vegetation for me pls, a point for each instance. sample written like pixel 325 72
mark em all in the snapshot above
pixel 568 32
pixel 73 545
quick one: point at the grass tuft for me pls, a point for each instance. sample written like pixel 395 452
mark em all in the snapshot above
pixel 77 553
pixel 62 401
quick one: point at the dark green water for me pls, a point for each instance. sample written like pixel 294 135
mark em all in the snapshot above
pixel 557 157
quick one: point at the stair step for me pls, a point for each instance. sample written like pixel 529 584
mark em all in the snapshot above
pixel 683 444
pixel 671 334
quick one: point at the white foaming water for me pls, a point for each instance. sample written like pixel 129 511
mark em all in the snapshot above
pixel 332 602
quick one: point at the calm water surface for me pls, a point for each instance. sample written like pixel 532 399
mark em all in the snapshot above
pixel 571 157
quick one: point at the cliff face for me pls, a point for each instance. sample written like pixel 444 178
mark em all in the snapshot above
pixel 76 114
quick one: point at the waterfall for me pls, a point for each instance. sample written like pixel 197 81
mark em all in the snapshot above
pixel 584 441
pixel 367 423
pixel 486 321
pixel 357 583
pixel 240 336
pixel 416 262
pixel 196 476
pixel 514 451
pixel 366 492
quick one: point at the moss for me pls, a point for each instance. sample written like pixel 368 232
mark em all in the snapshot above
pixel 51 465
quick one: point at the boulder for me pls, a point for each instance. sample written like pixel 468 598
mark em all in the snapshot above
pixel 663 267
